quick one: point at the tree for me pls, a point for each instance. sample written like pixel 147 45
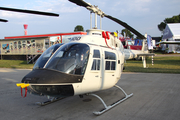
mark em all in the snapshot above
pixel 78 28
pixel 128 33
pixel 174 19
pixel 161 26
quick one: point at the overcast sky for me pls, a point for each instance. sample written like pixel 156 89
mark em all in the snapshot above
pixel 143 15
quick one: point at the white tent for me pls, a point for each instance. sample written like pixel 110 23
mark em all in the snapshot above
pixel 172 33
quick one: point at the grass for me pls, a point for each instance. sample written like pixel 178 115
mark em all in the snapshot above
pixel 161 65
pixel 17 64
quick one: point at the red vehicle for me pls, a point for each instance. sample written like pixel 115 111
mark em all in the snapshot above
pixel 131 44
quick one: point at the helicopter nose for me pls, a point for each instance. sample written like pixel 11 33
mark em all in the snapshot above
pixel 50 82
pixel 48 76
pixel 54 90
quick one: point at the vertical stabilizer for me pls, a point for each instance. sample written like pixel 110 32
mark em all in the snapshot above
pixel 144 43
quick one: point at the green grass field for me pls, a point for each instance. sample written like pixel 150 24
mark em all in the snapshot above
pixel 17 64
pixel 161 65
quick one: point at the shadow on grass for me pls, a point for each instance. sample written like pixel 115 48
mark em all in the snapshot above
pixel 23 63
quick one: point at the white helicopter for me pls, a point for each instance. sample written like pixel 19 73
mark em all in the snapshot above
pixel 86 64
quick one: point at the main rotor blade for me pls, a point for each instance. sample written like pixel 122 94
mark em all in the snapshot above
pixel 29 11
pixel 126 26
pixel 3 20
pixel 84 4
pixel 80 3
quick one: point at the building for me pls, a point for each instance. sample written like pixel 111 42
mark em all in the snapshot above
pixel 19 47
pixel 171 33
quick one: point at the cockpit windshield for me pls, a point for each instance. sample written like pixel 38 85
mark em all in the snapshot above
pixel 71 58
pixel 45 56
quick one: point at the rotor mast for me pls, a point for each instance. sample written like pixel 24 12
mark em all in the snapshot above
pixel 94 9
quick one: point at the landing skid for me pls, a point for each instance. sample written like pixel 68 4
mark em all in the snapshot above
pixel 112 105
pixel 51 100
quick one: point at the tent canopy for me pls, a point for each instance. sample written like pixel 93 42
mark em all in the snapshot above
pixel 172 31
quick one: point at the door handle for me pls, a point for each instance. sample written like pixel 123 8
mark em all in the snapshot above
pixel 97 76
pixel 112 75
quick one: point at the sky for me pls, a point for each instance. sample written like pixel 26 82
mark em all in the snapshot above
pixel 142 15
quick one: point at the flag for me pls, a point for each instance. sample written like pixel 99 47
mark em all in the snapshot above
pixel 149 42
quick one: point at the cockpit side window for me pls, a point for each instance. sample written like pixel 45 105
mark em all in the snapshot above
pixel 70 59
pixel 96 60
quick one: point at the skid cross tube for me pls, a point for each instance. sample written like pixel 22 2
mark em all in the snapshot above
pixel 51 100
pixel 106 108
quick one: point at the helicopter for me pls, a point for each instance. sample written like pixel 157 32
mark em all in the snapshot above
pixel 86 64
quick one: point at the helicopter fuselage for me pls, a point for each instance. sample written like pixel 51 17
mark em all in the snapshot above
pixel 86 64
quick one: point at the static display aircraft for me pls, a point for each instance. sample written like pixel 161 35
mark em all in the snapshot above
pixel 175 43
pixel 86 64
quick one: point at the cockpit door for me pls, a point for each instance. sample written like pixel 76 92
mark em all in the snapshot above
pixel 93 79
pixel 109 74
